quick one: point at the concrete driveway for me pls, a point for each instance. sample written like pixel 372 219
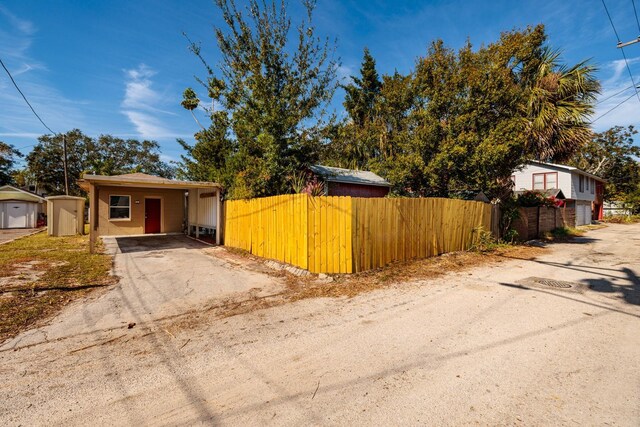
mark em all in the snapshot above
pixel 160 277
pixel 488 346
pixel 9 234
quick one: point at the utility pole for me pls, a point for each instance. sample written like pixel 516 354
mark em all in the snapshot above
pixel 620 45
pixel 64 163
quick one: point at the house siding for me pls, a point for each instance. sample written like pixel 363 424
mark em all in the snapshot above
pixel 524 178
pixel 172 206
pixel 568 181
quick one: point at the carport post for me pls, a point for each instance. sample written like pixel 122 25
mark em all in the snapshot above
pixel 218 215
pixel 93 214
pixel 197 209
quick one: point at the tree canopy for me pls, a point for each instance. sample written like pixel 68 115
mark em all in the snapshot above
pixel 269 90
pixel 8 157
pixel 613 156
pixel 105 155
pixel 466 119
pixel 463 119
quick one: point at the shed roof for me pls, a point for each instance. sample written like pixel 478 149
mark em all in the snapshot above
pixel 9 192
pixel 349 176
pixel 141 180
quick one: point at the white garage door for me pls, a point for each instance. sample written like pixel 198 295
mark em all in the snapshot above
pixel 15 215
pixel 583 214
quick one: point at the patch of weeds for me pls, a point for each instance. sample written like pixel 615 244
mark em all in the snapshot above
pixel 622 219
pixel 563 234
pixel 485 241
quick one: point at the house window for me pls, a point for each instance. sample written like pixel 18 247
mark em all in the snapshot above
pixel 581 183
pixel 538 181
pixel 593 186
pixel 588 181
pixel 545 181
pixel 119 207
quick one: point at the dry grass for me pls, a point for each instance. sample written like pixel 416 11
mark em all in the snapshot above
pixel 351 285
pixel 40 274
pixel 622 219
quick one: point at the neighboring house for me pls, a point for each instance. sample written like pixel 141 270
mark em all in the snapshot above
pixel 583 191
pixel 20 208
pixel 137 203
pixel 350 182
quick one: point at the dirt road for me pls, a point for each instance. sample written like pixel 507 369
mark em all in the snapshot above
pixel 505 344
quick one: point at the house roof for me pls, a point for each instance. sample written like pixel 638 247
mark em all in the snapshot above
pixel 349 176
pixel 566 168
pixel 9 192
pixel 550 192
pixel 142 180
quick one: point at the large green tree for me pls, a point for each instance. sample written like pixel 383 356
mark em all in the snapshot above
pixel 270 90
pixel 613 156
pixel 377 110
pixel 466 119
pixel 105 155
pixel 8 157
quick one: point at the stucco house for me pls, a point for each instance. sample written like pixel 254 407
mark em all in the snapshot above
pixel 583 191
pixel 137 203
pixel 350 182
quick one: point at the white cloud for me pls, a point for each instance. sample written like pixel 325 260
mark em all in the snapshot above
pixel 142 103
pixel 16 119
pixel 613 110
pixel 25 27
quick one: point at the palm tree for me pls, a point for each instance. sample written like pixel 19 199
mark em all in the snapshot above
pixel 560 103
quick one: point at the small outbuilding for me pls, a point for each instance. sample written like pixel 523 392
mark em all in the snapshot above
pixel 138 203
pixel 65 215
pixel 20 208
pixel 350 182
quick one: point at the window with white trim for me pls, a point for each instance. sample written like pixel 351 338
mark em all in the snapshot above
pixel 593 186
pixel 119 207
pixel 581 183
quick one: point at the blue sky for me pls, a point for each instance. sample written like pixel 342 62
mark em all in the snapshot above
pixel 120 66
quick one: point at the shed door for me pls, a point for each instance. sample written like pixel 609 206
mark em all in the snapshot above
pixel 66 217
pixel 152 216
pixel 16 215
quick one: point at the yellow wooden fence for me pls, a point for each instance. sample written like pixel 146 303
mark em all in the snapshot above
pixel 345 235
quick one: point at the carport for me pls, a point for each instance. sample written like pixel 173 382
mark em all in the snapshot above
pixel 139 204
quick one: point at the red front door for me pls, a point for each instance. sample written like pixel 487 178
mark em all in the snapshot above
pixel 152 216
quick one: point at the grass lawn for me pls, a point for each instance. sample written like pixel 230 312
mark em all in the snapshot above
pixel 40 274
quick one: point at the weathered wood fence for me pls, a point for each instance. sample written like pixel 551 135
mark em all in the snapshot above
pixel 534 222
pixel 346 235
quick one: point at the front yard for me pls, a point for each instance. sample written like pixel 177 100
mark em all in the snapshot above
pixel 40 274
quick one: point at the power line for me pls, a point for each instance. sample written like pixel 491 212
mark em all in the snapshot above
pixel 635 12
pixel 622 49
pixel 611 20
pixel 619 104
pixel 24 97
pixel 64 140
pixel 615 94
